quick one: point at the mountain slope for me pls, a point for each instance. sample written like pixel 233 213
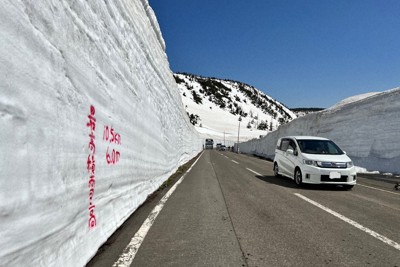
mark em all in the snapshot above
pixel 215 106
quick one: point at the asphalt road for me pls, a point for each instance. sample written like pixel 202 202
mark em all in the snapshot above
pixel 230 210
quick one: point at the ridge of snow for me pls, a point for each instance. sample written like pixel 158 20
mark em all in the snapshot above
pixel 352 99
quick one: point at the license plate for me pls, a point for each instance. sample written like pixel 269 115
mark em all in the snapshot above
pixel 335 175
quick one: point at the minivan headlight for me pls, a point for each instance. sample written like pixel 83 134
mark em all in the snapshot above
pixel 350 164
pixel 309 162
pixel 320 164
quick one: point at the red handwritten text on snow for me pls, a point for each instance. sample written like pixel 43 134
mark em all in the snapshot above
pixel 91 165
pixel 112 137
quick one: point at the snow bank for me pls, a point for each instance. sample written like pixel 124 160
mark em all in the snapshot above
pixel 353 99
pixel 91 123
pixel 366 128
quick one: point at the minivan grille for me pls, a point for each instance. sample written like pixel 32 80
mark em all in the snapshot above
pixel 325 178
pixel 336 165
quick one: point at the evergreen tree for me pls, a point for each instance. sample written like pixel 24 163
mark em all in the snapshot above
pixel 262 126
pixel 197 99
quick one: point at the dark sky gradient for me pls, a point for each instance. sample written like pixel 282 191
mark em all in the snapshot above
pixel 310 53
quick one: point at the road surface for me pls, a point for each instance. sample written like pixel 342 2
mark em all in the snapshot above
pixel 229 210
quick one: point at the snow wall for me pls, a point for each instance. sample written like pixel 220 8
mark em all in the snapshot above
pixel 368 130
pixel 91 123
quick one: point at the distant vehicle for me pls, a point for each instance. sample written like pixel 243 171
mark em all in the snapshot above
pixel 209 144
pixel 222 148
pixel 313 160
pixel 397 186
pixel 218 146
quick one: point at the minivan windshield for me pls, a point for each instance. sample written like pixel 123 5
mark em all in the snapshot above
pixel 319 147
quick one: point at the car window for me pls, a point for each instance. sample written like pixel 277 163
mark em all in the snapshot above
pixel 287 144
pixel 319 147
pixel 284 144
pixel 292 145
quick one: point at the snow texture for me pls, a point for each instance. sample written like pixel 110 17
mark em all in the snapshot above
pixel 366 127
pixel 219 123
pixel 91 123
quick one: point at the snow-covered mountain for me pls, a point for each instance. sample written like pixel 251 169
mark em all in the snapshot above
pixel 215 105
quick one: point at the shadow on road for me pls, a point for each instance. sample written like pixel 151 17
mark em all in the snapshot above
pixel 289 183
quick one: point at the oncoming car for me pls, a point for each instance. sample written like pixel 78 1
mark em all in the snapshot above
pixel 313 160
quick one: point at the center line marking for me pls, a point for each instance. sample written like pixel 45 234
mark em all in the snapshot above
pixel 353 223
pixel 256 173
pixel 235 161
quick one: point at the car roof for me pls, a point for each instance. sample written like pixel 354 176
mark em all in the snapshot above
pixel 299 137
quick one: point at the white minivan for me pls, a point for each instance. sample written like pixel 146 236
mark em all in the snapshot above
pixel 313 160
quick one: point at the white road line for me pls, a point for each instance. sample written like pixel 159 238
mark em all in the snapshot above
pixel 353 223
pixel 126 258
pixel 235 161
pixel 256 173
pixel 379 189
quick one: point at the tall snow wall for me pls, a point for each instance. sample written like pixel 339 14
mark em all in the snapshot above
pixel 91 123
pixel 368 130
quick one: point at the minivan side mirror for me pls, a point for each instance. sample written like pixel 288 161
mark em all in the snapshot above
pixel 292 152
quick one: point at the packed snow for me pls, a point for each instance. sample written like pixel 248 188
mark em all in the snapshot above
pixel 91 123
pixel 366 127
pixel 353 99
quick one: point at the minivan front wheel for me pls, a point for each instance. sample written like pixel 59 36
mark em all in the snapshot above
pixel 276 170
pixel 298 177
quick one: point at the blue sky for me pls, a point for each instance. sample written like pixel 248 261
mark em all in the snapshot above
pixel 305 53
